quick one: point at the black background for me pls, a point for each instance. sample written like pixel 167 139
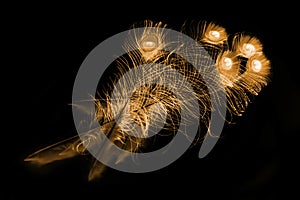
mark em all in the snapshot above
pixel 254 159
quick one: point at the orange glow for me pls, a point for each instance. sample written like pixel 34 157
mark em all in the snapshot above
pixel 246 45
pixel 213 34
pixel 228 65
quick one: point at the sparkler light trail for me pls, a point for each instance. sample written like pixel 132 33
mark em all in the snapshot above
pixel 151 92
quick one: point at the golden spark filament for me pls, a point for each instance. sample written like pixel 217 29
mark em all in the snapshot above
pixel 149 43
pixel 248 50
pixel 214 35
pixel 247 45
pixel 227 63
pixel 256 65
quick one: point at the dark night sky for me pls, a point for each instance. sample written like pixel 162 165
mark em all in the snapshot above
pixel 254 159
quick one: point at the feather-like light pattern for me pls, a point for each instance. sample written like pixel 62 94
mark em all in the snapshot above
pixel 137 109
